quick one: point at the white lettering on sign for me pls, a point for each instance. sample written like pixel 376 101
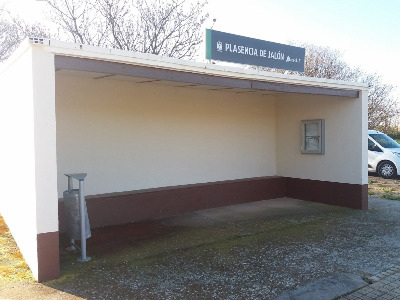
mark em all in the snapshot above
pixel 244 50
pixel 241 49
pixel 289 59
pixel 276 55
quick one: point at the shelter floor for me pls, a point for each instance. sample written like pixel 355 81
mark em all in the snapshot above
pixel 258 250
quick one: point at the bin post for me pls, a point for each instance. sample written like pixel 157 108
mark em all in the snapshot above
pixel 70 183
pixel 83 257
pixel 80 177
pixel 70 189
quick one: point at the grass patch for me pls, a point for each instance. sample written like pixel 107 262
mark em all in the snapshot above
pixel 390 196
pixel 13 266
pixel 146 261
pixel 389 190
pixel 3 227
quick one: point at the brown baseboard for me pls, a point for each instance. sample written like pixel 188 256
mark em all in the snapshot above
pixel 125 207
pixel 333 193
pixel 48 256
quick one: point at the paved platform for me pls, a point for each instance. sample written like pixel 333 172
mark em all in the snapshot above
pixel 385 286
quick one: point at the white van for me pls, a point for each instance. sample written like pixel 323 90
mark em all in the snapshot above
pixel 383 154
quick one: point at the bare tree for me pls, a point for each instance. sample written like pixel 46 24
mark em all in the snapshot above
pixel 78 21
pixel 325 62
pixel 170 28
pixel 383 106
pixel 13 30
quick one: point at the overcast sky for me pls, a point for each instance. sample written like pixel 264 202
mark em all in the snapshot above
pixel 366 31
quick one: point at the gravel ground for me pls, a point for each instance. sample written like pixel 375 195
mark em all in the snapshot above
pixel 238 252
pixel 384 188
pixel 250 258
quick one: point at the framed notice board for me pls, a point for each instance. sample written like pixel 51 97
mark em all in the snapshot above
pixel 313 136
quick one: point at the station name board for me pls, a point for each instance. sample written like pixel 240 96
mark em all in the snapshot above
pixel 244 50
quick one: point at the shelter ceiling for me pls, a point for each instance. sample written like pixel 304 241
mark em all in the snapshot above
pixel 141 80
pixel 109 70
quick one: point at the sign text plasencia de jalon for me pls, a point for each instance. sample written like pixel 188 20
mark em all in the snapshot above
pixel 238 49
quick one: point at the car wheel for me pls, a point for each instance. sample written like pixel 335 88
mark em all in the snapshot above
pixel 386 169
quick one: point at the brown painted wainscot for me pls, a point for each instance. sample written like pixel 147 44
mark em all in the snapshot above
pixel 125 207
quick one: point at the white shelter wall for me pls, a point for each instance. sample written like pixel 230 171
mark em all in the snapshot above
pixel 17 159
pixel 45 140
pixel 130 136
pixel 344 160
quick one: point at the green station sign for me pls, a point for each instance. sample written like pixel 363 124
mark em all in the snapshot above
pixel 244 50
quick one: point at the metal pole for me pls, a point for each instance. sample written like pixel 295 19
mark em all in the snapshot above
pixel 70 189
pixel 70 183
pixel 83 224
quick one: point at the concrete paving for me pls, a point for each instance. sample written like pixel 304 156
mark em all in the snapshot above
pixel 384 286
pixel 275 249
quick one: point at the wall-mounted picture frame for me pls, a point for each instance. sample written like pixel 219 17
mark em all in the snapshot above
pixel 313 136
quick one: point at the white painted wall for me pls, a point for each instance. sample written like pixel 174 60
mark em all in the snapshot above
pixel 28 157
pixel 364 133
pixel 17 204
pixel 17 155
pixel 45 140
pixel 345 138
pixel 130 136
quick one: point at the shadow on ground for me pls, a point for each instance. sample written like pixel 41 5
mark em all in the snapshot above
pixel 258 250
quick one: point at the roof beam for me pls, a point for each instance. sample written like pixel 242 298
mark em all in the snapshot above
pixel 116 68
